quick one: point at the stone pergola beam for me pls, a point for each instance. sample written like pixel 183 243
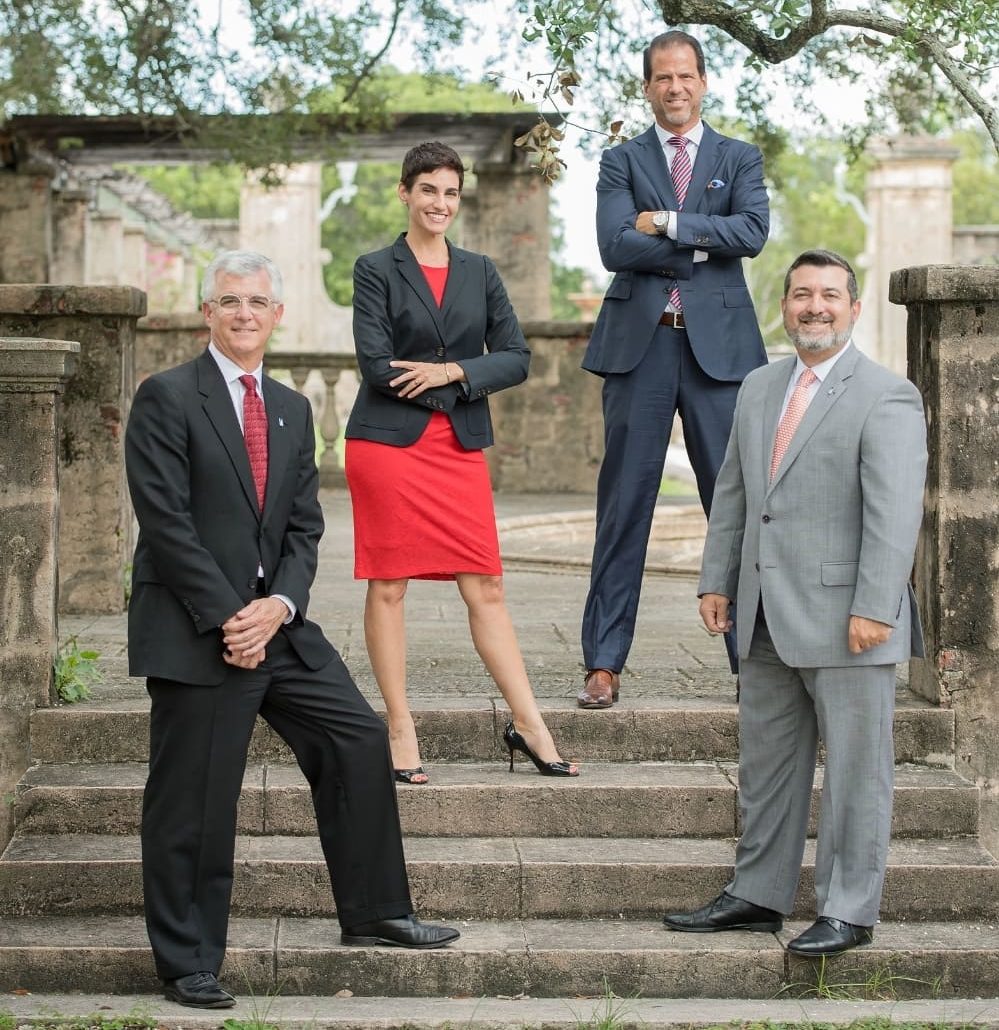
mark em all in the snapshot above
pixel 95 518
pixel 32 377
pixel 953 345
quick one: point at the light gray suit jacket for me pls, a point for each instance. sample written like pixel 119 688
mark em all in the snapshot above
pixel 835 533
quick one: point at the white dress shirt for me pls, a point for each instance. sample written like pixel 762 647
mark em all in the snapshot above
pixel 821 370
pixel 693 137
pixel 231 373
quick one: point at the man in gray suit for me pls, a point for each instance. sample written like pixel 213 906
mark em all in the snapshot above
pixel 816 512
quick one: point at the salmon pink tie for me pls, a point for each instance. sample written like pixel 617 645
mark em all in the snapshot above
pixel 255 435
pixel 681 171
pixel 796 408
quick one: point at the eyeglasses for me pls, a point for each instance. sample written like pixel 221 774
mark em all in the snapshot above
pixel 232 302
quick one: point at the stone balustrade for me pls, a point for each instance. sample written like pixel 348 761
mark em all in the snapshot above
pixel 33 374
pixel 953 342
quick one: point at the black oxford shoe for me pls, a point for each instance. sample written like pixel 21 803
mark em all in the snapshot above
pixel 199 991
pixel 404 932
pixel 828 936
pixel 725 913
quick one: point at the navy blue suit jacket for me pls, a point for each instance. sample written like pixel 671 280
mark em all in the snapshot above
pixel 397 318
pixel 726 213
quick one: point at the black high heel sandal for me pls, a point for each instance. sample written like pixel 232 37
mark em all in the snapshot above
pixel 515 742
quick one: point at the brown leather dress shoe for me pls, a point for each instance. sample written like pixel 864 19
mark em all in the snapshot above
pixel 600 689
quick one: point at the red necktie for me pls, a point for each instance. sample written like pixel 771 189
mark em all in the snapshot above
pixel 681 171
pixel 796 408
pixel 255 435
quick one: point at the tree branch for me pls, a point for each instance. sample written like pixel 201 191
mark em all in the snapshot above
pixel 375 58
pixel 740 26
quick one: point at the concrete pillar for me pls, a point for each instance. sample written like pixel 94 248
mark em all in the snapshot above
pixel 25 226
pixel 105 250
pixel 134 270
pixel 953 323
pixel 32 376
pixel 70 228
pixel 909 209
pixel 283 223
pixel 95 521
pixel 165 279
pixel 508 220
pixel 165 340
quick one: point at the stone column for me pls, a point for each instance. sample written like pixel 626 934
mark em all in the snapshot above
pixel 25 225
pixel 953 319
pixel 134 269
pixel 70 228
pixel 32 375
pixel 95 521
pixel 909 210
pixel 105 250
pixel 509 221
pixel 165 340
pixel 283 223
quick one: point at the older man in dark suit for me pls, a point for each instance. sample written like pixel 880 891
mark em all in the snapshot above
pixel 678 208
pixel 221 468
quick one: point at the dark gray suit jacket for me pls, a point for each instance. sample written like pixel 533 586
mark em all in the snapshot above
pixel 396 317
pixel 201 535
pixel 726 213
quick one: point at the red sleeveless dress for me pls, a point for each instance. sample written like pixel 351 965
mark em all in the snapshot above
pixel 424 511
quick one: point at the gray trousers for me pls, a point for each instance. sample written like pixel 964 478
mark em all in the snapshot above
pixel 783 712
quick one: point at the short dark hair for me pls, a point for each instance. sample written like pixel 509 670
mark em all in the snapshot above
pixel 673 38
pixel 428 157
pixel 824 258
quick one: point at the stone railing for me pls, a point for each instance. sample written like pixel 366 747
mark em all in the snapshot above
pixel 316 374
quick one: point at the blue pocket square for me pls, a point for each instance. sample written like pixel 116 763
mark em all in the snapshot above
pixel 716 184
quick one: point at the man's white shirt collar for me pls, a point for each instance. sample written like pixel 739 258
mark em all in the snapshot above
pixel 693 135
pixel 231 371
pixel 823 368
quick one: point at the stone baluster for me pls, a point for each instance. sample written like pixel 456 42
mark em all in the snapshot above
pixel 330 469
pixel 32 377
pixel 953 343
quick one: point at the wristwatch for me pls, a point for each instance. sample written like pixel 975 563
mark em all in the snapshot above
pixel 661 221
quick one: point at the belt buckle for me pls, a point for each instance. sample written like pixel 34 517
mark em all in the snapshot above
pixel 673 319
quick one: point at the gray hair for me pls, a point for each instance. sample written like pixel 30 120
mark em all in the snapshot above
pixel 240 263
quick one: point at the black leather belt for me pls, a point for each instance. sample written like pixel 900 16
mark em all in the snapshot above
pixel 674 319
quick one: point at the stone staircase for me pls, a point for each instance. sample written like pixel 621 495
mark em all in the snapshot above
pixel 557 886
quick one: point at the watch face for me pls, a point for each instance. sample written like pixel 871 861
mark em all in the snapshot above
pixel 660 219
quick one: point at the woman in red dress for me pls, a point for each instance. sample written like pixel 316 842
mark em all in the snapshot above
pixel 435 334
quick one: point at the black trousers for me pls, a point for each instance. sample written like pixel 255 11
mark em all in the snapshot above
pixel 199 738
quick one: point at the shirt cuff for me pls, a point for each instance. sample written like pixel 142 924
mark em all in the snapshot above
pixel 290 605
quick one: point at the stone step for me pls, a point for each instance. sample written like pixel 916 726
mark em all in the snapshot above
pixel 487 877
pixel 563 958
pixel 610 799
pixel 667 729
pixel 311 1011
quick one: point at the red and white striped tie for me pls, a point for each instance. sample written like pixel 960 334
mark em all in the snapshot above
pixel 681 171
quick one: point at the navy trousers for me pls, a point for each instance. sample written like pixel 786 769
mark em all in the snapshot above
pixel 639 407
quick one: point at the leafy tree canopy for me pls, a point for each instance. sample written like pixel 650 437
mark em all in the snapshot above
pixel 924 64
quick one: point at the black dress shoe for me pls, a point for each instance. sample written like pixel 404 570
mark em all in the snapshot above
pixel 828 936
pixel 404 932
pixel 725 913
pixel 199 991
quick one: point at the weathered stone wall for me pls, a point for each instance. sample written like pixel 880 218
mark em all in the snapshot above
pixel 26 219
pixel 549 430
pixel 162 341
pixel 95 524
pixel 953 334
pixel 32 373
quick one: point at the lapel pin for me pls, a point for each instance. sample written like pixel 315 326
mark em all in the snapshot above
pixel 280 422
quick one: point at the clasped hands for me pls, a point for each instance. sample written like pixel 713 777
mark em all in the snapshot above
pixel 249 631
pixel 862 633
pixel 425 375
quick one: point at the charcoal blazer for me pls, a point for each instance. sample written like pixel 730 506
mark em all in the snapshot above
pixel 201 535
pixel 834 534
pixel 726 213
pixel 397 318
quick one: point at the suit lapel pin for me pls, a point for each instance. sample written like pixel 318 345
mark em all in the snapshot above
pixel 280 422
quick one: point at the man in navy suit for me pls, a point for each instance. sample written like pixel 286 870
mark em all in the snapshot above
pixel 678 208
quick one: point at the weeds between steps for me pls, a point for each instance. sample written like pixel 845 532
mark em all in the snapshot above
pixel 75 672
pixel 881 984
